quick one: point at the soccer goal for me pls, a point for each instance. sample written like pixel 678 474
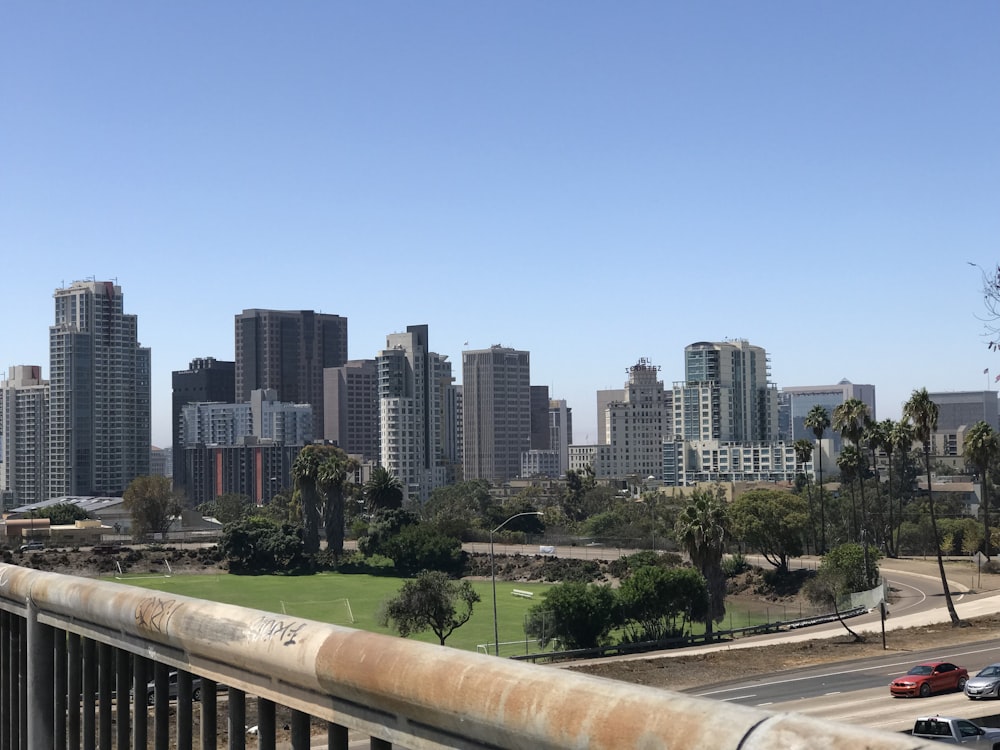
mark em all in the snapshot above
pixel 121 574
pixel 334 611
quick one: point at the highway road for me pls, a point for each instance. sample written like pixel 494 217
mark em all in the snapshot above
pixel 858 692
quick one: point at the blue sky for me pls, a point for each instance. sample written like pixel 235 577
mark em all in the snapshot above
pixel 592 182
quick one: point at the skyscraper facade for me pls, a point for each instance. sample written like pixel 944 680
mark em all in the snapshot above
pixel 726 394
pixel 287 351
pixel 99 404
pixel 350 397
pixel 24 435
pixel 636 425
pixel 802 399
pixel 206 380
pixel 496 404
pixel 415 399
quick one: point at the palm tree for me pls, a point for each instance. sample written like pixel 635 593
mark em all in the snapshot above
pixel 876 437
pixel 900 439
pixel 818 420
pixel 922 413
pixel 333 474
pixel 803 455
pixel 981 448
pixel 849 463
pixel 383 490
pixel 702 528
pixel 887 428
pixel 849 419
pixel 305 472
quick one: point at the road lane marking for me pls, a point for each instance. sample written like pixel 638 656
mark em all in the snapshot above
pixel 879 667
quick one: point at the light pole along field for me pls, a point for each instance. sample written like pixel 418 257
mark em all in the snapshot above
pixel 337 598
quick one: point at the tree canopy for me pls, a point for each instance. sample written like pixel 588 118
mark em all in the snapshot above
pixel 151 504
pixel 431 601
pixel 577 615
pixel 772 522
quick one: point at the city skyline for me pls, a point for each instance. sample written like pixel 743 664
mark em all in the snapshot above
pixel 590 185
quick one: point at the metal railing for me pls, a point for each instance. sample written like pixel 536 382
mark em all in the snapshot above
pixel 72 648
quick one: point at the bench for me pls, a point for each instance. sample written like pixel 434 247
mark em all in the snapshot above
pixel 522 593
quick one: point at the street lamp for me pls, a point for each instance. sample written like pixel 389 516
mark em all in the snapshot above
pixel 493 575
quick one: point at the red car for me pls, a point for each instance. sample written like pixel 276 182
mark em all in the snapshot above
pixel 929 677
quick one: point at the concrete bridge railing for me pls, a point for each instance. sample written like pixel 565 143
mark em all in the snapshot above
pixel 72 648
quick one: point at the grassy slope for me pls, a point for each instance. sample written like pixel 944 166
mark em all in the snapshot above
pixel 320 597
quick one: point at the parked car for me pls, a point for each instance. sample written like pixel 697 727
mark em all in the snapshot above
pixel 955 731
pixel 172 688
pixel 929 677
pixel 986 684
pixel 32 546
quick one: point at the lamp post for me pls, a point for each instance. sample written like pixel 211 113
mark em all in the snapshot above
pixel 493 576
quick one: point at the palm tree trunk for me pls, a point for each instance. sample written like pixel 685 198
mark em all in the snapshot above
pixel 955 621
pixel 822 502
pixel 986 515
pixel 890 545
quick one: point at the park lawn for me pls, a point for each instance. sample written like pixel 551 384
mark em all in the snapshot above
pixel 325 597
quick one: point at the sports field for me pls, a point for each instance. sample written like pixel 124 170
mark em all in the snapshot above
pixel 336 597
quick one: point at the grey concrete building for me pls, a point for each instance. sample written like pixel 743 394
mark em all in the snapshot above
pixel 287 351
pixel 24 435
pixel 99 404
pixel 496 403
pixel 350 398
pixel 207 379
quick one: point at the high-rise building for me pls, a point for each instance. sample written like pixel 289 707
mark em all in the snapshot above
pixel 604 398
pixel 245 449
pixel 350 397
pixel 726 394
pixel 958 409
pixel 24 434
pixel 802 399
pixel 561 432
pixel 287 351
pixel 415 394
pixel 540 418
pixel 206 379
pixel 99 405
pixel 636 425
pixel 496 403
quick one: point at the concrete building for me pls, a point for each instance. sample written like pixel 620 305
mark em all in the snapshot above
pixel 350 398
pixel 540 417
pixel 415 400
pixel 560 432
pixel 161 461
pixel 802 399
pixel 206 380
pixel 957 409
pixel 690 462
pixel 540 463
pixel 496 385
pixel 24 435
pixel 99 404
pixel 287 351
pixel 726 394
pixel 604 398
pixel 636 426
pixel 264 418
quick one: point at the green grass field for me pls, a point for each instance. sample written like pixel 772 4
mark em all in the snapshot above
pixel 321 597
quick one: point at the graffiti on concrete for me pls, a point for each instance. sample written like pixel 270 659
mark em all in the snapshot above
pixel 154 613
pixel 269 628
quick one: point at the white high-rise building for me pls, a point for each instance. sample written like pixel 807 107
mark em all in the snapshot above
pixel 561 432
pixel 416 399
pixel 726 394
pixel 24 433
pixel 99 404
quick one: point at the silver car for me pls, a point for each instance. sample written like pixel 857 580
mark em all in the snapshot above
pixel 986 684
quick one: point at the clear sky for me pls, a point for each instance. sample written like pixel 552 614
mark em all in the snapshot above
pixel 593 182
